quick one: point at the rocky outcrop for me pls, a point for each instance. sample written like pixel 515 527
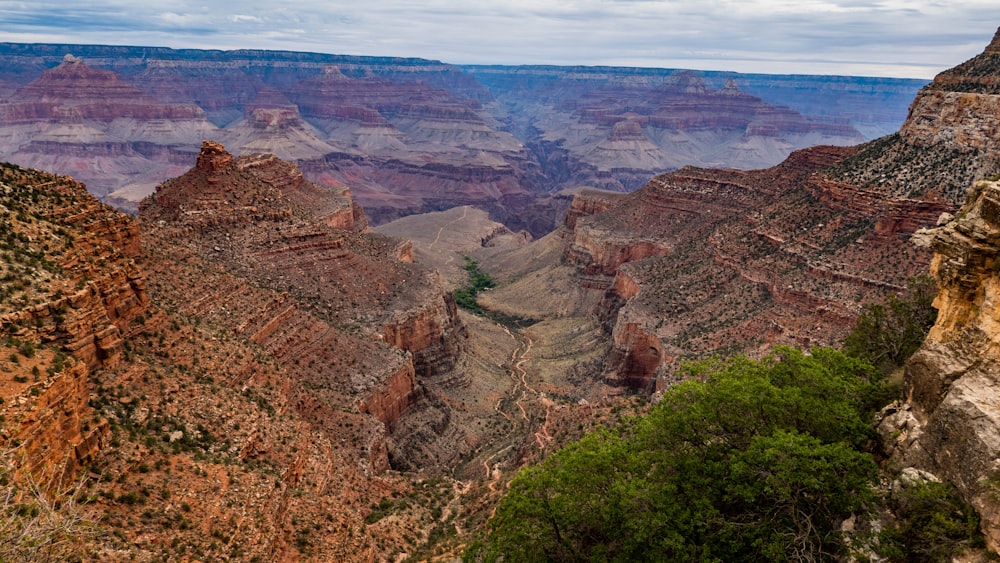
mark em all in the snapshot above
pixel 392 398
pixel 82 298
pixel 948 141
pixel 291 272
pixel 70 293
pixel 703 260
pixel 432 334
pixel 637 355
pixel 597 251
pixel 950 422
pixel 332 203
pixel 47 422
pixel 589 202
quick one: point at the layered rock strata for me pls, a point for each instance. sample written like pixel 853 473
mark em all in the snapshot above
pixel 410 135
pixel 72 282
pixel 949 138
pixel 258 219
pixel 70 292
pixel 700 261
pixel 950 422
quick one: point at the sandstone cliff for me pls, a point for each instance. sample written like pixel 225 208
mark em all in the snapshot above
pixel 230 394
pixel 70 293
pixel 949 424
pixel 716 261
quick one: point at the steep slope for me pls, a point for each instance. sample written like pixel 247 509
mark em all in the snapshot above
pixel 708 261
pixel 69 292
pixel 948 139
pixel 249 403
pixel 255 227
pixel 949 423
pixel 90 123
pixel 702 261
pixel 285 388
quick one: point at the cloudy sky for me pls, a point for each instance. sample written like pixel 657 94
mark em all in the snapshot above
pixel 906 38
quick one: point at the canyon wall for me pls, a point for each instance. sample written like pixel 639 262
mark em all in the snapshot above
pixel 257 219
pixel 71 291
pixel 949 423
pixel 702 262
pixel 409 135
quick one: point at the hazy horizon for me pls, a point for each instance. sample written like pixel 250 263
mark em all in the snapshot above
pixel 887 38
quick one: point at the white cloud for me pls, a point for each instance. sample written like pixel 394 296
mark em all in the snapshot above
pixel 882 37
pixel 239 18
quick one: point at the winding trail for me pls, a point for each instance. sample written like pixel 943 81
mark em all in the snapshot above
pixel 517 372
pixel 465 210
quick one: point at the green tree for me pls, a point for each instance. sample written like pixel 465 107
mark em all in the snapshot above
pixel 934 524
pixel 465 296
pixel 888 334
pixel 745 461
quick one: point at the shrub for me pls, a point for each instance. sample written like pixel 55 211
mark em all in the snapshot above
pixel 745 461
pixel 886 335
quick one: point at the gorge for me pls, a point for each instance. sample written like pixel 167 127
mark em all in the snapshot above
pixel 268 362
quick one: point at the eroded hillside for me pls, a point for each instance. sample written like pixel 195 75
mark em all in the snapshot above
pixel 243 373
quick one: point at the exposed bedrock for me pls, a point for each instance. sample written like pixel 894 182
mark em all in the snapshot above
pixel 433 334
pixel 54 431
pixel 950 423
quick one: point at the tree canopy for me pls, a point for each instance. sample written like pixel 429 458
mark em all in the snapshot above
pixel 744 461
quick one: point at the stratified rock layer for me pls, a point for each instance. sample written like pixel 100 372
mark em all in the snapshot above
pixel 68 295
pixel 699 261
pixel 950 422
pixel 257 218
pixel 411 135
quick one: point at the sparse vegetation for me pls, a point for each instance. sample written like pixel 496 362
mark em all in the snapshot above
pixel 37 524
pixel 886 335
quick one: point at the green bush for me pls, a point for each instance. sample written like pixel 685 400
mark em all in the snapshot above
pixel 465 296
pixel 886 335
pixel 745 461
pixel 934 525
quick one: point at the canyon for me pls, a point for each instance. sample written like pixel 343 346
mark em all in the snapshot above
pixel 250 369
pixel 411 135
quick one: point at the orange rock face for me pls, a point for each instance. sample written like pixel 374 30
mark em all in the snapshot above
pixel 70 287
pixel 98 288
pixel 431 334
pixel 391 399
pixel 256 219
pixel 53 432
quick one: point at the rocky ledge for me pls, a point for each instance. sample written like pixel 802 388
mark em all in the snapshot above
pixel 950 423
pixel 291 271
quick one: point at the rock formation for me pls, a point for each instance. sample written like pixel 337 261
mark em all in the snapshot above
pixel 69 293
pixel 252 386
pixel 92 124
pixel 705 261
pixel 949 137
pixel 72 281
pixel 257 215
pixel 949 424
pixel 407 135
